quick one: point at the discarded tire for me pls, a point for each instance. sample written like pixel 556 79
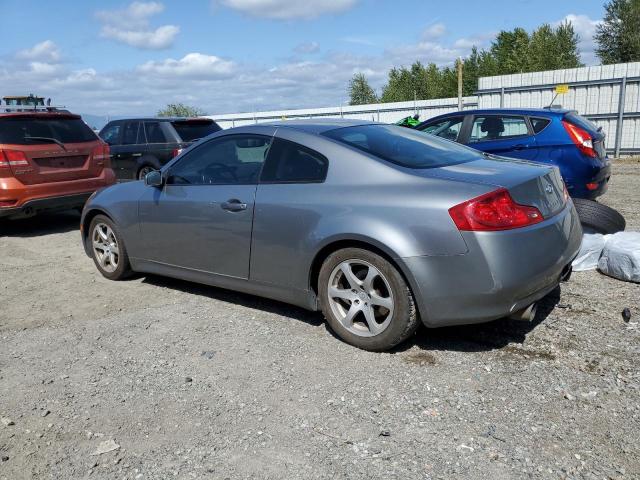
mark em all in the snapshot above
pixel 599 217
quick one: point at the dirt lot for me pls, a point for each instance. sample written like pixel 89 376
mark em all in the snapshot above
pixel 183 381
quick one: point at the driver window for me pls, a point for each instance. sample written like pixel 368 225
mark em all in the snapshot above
pixel 449 129
pixel 232 160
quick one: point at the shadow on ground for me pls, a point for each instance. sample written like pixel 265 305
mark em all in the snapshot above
pixel 465 338
pixel 42 224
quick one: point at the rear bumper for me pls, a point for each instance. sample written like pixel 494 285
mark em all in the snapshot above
pixel 31 199
pixel 502 273
pixel 32 207
pixel 601 176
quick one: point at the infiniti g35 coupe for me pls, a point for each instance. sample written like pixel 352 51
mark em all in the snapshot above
pixel 378 226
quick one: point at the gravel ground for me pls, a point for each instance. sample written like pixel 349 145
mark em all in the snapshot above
pixel 157 378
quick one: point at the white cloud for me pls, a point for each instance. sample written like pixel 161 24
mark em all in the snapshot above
pixel 434 31
pixel 193 65
pixel 131 26
pixel 585 27
pixel 307 47
pixel 46 51
pixel 289 9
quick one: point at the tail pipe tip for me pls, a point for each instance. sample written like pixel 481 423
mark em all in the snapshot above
pixel 527 314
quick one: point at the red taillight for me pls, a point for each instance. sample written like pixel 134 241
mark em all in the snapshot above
pixel 493 211
pixel 176 152
pixel 101 154
pixel 12 158
pixel 581 138
pixel 592 186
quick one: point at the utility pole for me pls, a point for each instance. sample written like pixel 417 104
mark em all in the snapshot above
pixel 460 83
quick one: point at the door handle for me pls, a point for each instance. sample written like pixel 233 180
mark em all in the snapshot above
pixel 520 146
pixel 233 205
pixel 136 154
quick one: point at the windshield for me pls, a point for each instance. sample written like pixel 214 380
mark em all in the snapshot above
pixel 190 130
pixel 16 131
pixel 404 147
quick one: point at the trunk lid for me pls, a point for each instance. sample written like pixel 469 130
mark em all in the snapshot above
pixel 528 183
pixel 50 163
pixel 57 147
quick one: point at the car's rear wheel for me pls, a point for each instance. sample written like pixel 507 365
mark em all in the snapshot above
pixel 598 217
pixel 365 300
pixel 144 171
pixel 107 249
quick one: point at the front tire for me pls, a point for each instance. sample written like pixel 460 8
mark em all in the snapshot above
pixel 365 300
pixel 107 249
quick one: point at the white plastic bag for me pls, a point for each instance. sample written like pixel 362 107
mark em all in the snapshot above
pixel 621 256
pixel 590 250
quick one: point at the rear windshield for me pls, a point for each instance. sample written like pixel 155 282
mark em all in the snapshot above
pixel 580 121
pixel 404 146
pixel 194 129
pixel 31 131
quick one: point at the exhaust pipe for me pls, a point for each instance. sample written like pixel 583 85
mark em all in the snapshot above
pixel 527 314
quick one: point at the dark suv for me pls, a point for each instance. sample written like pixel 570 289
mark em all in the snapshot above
pixel 140 145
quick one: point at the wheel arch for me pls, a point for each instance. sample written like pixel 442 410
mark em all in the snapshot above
pixel 366 244
pixel 86 223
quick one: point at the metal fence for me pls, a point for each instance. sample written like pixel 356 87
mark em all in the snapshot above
pixel 609 95
pixel 377 112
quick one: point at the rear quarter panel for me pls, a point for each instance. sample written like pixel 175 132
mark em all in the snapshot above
pixel 362 199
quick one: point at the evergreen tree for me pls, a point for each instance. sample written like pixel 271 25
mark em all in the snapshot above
pixel 360 92
pixel 618 36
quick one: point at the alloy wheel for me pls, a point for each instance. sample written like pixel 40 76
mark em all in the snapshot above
pixel 105 247
pixel 360 297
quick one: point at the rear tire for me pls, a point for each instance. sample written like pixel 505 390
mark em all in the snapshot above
pixel 365 300
pixel 599 217
pixel 107 249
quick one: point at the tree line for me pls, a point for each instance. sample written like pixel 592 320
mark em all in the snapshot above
pixel 617 40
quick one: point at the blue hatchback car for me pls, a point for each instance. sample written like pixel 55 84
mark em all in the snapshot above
pixel 552 136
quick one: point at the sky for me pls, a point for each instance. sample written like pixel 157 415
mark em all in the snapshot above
pixel 131 58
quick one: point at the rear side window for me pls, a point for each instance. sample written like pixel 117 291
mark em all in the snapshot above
pixel 133 134
pixel 192 130
pixel 539 124
pixel 497 127
pixel 154 132
pixel 289 162
pixel 30 131
pixel 404 146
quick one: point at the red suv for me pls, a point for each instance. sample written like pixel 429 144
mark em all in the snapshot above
pixel 49 160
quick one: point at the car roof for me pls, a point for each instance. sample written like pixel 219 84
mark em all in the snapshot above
pixel 506 111
pixel 318 125
pixel 160 119
pixel 39 114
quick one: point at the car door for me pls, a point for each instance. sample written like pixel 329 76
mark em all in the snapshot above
pixel 504 135
pixel 290 192
pixel 132 146
pixel 202 216
pixel 448 128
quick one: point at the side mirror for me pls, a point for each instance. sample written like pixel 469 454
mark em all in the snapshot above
pixel 153 179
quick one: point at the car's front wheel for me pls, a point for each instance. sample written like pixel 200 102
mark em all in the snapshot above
pixel 107 248
pixel 365 300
